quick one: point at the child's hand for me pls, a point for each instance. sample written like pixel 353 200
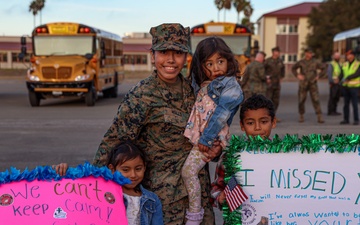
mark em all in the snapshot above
pixel 213 152
pixel 203 148
pixel 61 168
pixel 216 149
pixel 222 198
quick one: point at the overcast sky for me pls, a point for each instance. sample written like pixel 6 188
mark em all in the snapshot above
pixel 120 16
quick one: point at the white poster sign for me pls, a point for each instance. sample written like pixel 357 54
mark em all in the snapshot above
pixel 301 189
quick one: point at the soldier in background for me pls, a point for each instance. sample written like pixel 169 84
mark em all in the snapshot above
pixel 275 71
pixel 306 71
pixel 333 72
pixel 254 79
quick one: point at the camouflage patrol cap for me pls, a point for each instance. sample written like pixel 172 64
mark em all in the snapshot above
pixel 275 49
pixel 170 36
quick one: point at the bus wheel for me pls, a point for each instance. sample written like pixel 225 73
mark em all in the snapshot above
pixel 90 96
pixel 34 98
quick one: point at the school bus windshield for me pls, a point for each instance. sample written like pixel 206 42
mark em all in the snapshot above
pixel 63 45
pixel 237 44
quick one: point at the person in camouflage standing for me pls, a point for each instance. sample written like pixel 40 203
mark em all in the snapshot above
pixel 275 71
pixel 153 115
pixel 306 71
pixel 254 80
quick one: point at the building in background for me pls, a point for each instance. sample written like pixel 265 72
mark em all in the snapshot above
pixel 286 28
pixel 9 50
pixel 137 51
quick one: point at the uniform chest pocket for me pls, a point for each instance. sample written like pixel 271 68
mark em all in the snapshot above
pixel 175 117
pixel 311 67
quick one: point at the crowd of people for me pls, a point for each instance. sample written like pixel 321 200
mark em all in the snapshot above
pixel 168 127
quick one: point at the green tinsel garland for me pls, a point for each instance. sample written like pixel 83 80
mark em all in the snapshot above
pixel 311 143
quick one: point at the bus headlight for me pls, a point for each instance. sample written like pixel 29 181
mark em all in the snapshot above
pixel 31 76
pixel 82 77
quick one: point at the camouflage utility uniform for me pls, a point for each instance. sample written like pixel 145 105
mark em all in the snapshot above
pixel 154 117
pixel 308 68
pixel 276 70
pixel 254 80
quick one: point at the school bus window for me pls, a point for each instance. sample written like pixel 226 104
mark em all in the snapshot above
pixel 117 50
pixel 62 45
pixel 108 47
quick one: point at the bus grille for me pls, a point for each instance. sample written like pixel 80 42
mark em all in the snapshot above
pixel 52 73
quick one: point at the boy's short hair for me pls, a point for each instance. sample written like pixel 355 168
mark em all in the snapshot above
pixel 170 36
pixel 257 101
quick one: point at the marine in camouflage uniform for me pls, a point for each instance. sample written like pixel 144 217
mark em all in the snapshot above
pixel 254 78
pixel 275 71
pixel 306 72
pixel 153 115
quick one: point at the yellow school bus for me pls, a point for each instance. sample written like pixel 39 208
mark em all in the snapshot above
pixel 236 36
pixel 71 59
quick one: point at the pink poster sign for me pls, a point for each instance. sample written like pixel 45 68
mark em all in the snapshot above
pixel 83 201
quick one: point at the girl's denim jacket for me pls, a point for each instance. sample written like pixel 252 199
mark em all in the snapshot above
pixel 150 208
pixel 228 95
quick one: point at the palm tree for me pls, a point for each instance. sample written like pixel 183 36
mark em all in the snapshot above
pixel 219 5
pixel 243 6
pixel 227 6
pixel 33 7
pixel 248 10
pixel 40 5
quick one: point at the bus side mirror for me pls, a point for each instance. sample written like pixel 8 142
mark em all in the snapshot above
pixel 88 56
pixel 23 40
pixel 22 54
pixel 23 50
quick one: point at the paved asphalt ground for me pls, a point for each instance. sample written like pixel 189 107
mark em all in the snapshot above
pixel 65 130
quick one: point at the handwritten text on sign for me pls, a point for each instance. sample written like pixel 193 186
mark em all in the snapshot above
pixel 301 189
pixel 86 200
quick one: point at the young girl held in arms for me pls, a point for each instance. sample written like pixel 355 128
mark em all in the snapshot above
pixel 143 207
pixel 218 96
